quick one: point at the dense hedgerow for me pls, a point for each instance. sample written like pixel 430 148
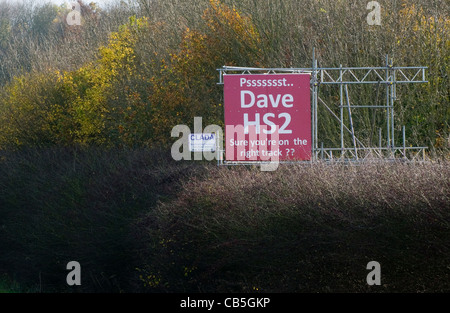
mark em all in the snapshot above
pixel 302 229
pixel 58 205
pixel 132 72
pixel 138 221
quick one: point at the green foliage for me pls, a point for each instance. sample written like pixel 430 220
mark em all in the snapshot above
pixel 155 72
pixel 124 99
pixel 75 107
pixel 42 20
pixel 34 111
pixel 427 110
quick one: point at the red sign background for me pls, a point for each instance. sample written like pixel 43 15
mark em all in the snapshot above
pixel 267 114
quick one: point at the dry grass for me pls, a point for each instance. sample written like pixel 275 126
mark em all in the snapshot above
pixel 306 229
pixel 138 221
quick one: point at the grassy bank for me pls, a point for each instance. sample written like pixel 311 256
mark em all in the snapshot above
pixel 138 221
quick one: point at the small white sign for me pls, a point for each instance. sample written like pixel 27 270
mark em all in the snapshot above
pixel 199 142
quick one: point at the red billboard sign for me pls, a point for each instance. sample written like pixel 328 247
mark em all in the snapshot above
pixel 267 116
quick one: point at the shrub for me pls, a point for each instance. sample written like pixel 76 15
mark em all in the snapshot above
pixel 59 205
pixel 302 229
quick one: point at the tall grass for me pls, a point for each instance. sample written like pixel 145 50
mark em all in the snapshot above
pixel 138 221
pixel 61 205
pixel 304 229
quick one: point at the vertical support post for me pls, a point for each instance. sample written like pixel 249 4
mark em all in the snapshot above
pixel 220 77
pixel 313 108
pixel 387 105
pixel 351 121
pixel 379 140
pixel 394 77
pixel 404 141
pixel 316 104
pixel 391 72
pixel 217 148
pixel 341 109
pixel 321 150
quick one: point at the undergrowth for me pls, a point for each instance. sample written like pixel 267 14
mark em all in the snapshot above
pixel 137 221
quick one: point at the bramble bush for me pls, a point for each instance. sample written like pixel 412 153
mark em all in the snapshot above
pixel 63 204
pixel 141 83
pixel 301 228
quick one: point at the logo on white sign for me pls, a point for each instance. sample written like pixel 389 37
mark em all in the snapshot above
pixel 200 142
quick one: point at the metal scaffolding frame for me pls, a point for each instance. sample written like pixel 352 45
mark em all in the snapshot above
pixel 388 75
